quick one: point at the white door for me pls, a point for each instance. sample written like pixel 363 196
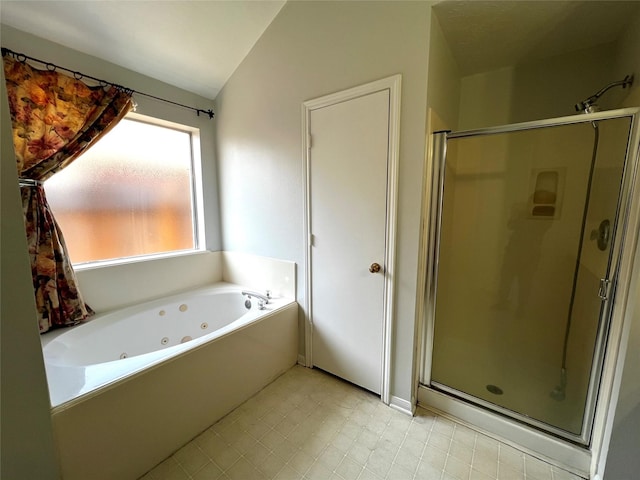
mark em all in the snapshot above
pixel 348 204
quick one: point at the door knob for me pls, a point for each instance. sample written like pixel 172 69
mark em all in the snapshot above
pixel 374 268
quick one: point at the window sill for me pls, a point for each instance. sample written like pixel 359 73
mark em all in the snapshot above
pixel 79 267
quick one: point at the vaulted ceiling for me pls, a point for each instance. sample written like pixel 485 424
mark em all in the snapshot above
pixel 195 45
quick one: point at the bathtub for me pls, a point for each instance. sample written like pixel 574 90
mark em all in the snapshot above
pixel 130 387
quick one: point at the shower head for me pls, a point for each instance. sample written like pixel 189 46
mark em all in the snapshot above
pixel 588 105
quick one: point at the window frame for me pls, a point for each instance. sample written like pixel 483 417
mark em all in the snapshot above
pixel 197 200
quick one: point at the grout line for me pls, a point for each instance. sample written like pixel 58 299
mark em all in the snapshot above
pixel 424 447
pixel 446 460
pixel 473 454
pixel 426 444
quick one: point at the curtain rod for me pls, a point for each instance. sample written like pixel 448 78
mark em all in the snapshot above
pixel 21 57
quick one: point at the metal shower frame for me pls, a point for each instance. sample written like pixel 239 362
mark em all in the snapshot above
pixel 620 229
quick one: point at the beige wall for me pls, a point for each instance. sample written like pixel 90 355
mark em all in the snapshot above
pixel 312 49
pixel 623 462
pixel 443 93
pixel 539 89
pixel 26 437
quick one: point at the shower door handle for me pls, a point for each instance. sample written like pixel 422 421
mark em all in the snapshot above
pixel 602 234
pixel 603 291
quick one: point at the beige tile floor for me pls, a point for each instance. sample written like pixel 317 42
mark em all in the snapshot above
pixel 310 425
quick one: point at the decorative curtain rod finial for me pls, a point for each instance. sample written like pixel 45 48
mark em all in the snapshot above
pixel 208 112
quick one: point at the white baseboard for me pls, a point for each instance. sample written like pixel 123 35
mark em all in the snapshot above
pixel 401 405
pixel 302 361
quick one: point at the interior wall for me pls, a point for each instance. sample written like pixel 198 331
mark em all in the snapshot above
pixel 26 435
pixel 536 90
pixel 186 271
pixel 443 91
pixel 622 460
pixel 313 49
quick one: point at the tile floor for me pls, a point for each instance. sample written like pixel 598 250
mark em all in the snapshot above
pixel 310 425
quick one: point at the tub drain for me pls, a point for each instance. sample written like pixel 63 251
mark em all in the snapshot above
pixel 495 389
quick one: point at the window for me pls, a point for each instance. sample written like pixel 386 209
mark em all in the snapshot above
pixel 131 194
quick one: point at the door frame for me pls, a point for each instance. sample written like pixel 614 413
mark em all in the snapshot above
pixel 393 84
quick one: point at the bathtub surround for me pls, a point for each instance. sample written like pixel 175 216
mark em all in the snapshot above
pixel 82 361
pixel 139 281
pixel 189 388
pixel 124 429
pixel 259 273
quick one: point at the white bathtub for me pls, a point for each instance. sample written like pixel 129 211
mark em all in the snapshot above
pixel 140 382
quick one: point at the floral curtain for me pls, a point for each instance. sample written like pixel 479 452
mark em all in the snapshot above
pixel 55 119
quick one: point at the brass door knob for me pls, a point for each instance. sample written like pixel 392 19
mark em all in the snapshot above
pixel 374 268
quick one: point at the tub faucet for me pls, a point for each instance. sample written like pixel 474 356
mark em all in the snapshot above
pixel 262 299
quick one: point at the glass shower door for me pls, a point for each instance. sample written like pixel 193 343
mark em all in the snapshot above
pixel 527 219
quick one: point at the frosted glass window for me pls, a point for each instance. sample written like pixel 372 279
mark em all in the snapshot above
pixel 130 194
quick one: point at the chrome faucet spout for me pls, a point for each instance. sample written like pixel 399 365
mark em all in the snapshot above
pixel 262 299
pixel 249 293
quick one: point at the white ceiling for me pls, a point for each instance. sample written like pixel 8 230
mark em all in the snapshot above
pixel 196 45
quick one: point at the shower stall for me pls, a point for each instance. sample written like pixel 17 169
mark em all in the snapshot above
pixel 526 229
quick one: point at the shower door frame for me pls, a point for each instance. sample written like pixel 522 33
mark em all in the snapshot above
pixel 517 427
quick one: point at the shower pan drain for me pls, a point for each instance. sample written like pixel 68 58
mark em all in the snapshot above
pixel 495 389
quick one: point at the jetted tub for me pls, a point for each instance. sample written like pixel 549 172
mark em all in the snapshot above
pixel 130 387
